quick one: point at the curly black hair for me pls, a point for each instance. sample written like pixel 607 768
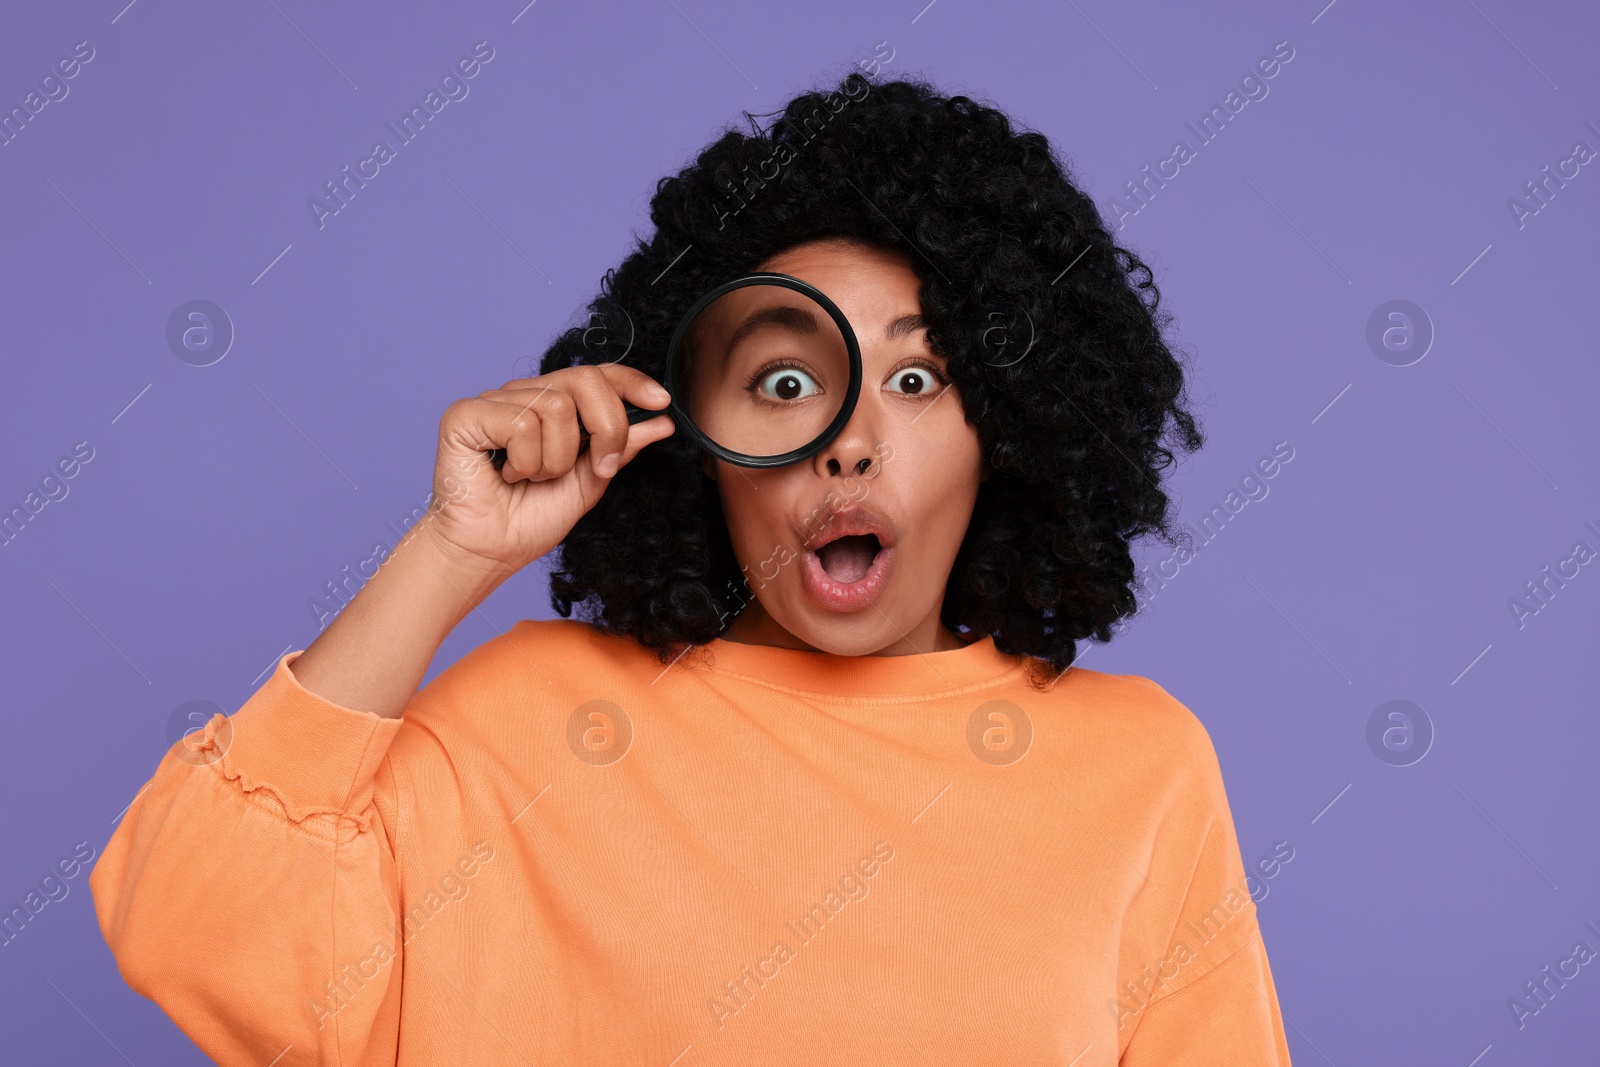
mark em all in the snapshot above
pixel 1052 333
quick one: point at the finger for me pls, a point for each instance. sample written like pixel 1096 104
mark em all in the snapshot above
pixel 524 445
pixel 598 409
pixel 636 386
pixel 558 418
pixel 633 385
pixel 471 427
pixel 541 382
pixel 601 412
pixel 544 432
pixel 647 432
pixel 640 434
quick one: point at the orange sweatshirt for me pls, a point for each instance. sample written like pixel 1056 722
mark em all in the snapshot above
pixel 564 853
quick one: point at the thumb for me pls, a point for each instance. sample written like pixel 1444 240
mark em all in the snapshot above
pixel 640 434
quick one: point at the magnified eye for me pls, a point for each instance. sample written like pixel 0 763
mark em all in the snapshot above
pixel 787 383
pixel 916 380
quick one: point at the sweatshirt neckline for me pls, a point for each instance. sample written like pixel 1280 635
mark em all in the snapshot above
pixel 924 674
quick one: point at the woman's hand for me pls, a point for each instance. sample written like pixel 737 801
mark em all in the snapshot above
pixel 503 520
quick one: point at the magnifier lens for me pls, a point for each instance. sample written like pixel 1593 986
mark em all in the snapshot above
pixel 762 370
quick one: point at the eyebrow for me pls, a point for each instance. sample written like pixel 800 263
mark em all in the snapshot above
pixel 802 321
pixel 788 316
pixel 904 325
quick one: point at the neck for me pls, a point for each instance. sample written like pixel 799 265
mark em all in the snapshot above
pixel 753 626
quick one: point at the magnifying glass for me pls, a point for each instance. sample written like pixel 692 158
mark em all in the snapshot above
pixel 764 371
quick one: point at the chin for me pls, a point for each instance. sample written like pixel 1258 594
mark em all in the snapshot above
pixel 855 633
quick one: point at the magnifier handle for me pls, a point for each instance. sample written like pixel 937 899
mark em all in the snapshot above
pixel 497 456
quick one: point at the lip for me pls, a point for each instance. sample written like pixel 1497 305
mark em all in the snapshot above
pixel 852 520
pixel 834 595
pixel 843 596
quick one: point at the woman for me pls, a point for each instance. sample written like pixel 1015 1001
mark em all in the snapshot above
pixel 816 781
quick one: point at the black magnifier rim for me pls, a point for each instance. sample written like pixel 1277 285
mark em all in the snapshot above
pixel 818 443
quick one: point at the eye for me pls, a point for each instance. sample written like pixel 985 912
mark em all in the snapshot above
pixel 917 379
pixel 785 383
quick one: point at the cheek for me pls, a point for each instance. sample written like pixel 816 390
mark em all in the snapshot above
pixel 945 455
pixel 751 508
pixel 743 517
pixel 943 478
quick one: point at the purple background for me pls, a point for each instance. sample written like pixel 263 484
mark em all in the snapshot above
pixel 1379 567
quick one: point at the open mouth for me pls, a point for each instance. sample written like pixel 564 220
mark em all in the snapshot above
pixel 848 559
pixel 847 573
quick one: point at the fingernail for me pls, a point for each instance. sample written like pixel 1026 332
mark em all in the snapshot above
pixel 608 464
pixel 658 393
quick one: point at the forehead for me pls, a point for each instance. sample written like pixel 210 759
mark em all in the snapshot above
pixel 851 267
pixel 875 286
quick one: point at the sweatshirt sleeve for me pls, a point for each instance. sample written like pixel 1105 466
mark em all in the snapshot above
pixel 250 889
pixel 1229 1015
pixel 1205 994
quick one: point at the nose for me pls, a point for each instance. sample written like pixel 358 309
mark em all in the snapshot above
pixel 855 449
